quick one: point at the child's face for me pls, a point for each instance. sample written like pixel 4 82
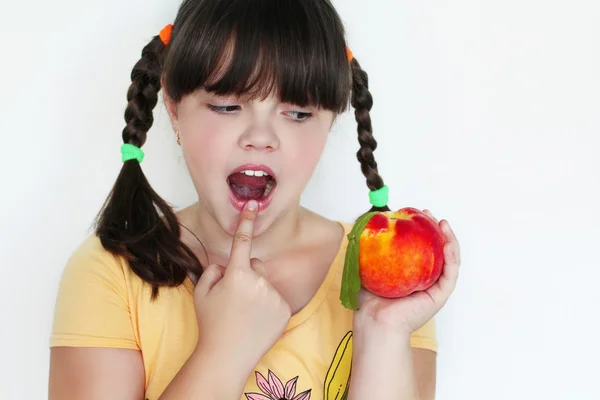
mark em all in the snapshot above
pixel 221 135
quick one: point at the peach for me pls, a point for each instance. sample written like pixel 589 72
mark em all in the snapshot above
pixel 400 253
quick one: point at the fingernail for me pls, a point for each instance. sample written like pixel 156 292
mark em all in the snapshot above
pixel 252 205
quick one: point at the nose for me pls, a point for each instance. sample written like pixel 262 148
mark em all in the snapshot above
pixel 259 137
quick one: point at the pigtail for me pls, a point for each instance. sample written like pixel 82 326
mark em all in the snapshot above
pixel 362 101
pixel 135 222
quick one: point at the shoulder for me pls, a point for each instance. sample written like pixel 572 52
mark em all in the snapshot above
pixel 326 236
pixel 92 306
pixel 93 277
pixel 318 228
pixel 91 249
pixel 91 260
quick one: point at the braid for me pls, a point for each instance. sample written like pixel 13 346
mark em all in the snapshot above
pixel 130 223
pixel 142 95
pixel 362 101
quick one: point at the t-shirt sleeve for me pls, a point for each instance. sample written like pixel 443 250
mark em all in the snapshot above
pixel 92 307
pixel 425 337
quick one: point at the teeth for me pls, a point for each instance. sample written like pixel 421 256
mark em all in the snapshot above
pixel 250 172
pixel 268 189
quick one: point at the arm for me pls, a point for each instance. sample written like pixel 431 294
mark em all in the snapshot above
pixel 425 363
pixel 94 354
pixel 385 363
pixel 95 374
pixel 118 374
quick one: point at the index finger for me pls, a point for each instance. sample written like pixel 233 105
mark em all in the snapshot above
pixel 241 248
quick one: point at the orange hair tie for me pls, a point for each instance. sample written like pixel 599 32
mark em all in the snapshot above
pixel 349 53
pixel 165 34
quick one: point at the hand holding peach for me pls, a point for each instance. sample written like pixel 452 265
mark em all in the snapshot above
pixel 401 267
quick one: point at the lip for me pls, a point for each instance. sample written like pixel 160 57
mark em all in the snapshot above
pixel 262 203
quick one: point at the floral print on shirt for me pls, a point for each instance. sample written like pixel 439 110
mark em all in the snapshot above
pixel 273 389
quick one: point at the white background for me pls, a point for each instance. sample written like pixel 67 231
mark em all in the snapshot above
pixel 488 113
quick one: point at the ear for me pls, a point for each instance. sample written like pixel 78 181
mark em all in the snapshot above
pixel 171 107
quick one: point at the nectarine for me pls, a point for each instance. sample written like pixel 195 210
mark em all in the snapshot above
pixel 400 253
pixel 392 254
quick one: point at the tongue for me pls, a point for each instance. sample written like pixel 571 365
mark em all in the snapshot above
pixel 248 187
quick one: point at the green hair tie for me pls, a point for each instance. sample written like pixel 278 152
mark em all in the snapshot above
pixel 379 198
pixel 131 152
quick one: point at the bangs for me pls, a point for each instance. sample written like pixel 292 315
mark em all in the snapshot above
pixel 292 49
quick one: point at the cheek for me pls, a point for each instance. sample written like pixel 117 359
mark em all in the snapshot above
pixel 305 153
pixel 205 148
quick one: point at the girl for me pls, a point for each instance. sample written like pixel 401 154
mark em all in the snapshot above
pixel 237 296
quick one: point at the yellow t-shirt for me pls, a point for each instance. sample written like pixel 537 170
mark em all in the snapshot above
pixel 102 303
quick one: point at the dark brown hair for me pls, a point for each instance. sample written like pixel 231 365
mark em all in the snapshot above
pixel 294 49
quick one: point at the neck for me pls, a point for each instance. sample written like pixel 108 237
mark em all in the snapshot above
pixel 217 241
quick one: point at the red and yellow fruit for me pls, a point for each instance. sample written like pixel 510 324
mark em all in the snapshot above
pixel 401 252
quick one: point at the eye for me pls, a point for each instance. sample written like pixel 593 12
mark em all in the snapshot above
pixel 224 109
pixel 299 116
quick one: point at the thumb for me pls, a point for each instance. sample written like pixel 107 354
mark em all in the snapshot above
pixel 259 267
pixel 209 278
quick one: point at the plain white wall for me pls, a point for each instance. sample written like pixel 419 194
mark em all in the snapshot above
pixel 486 112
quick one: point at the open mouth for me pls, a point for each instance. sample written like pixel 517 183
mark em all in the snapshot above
pixel 251 184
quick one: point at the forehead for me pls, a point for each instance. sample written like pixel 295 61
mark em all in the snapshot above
pixel 264 52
